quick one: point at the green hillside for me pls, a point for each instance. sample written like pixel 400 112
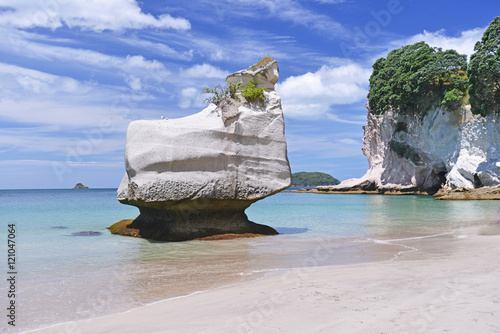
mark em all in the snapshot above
pixel 312 179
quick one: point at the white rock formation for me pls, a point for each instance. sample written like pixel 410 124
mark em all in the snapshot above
pixel 263 79
pixel 420 153
pixel 194 176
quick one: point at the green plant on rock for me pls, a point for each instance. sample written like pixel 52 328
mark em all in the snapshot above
pixel 261 63
pixel 233 88
pixel 484 72
pixel 453 99
pixel 251 93
pixel 220 93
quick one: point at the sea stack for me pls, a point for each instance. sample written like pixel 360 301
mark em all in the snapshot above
pixel 194 177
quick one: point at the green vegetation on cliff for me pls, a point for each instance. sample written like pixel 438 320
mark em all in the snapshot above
pixel 416 77
pixel 261 63
pixel 250 91
pixel 220 94
pixel 312 179
pixel 484 72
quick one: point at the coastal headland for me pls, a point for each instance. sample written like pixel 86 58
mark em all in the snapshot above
pixel 432 123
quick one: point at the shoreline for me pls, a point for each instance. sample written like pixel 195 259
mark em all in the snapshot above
pixel 440 277
pixel 483 193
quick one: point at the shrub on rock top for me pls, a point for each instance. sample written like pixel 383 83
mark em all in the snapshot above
pixel 251 93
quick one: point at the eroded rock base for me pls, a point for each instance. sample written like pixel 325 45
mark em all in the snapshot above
pixel 177 225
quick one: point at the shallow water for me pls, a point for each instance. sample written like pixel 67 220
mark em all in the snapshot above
pixel 63 276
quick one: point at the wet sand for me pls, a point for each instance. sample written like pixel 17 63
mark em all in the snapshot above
pixel 447 283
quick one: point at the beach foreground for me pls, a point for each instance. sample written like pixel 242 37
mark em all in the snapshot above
pixel 447 283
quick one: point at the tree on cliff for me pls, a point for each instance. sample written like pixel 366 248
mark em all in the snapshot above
pixel 415 77
pixel 484 72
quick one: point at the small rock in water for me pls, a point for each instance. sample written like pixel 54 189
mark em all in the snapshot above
pixel 59 227
pixel 85 234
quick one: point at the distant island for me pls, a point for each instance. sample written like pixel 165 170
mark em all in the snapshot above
pixel 80 186
pixel 313 179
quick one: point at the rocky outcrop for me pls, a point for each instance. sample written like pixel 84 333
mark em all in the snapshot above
pixel 420 154
pixel 194 177
pixel 80 186
pixel 487 193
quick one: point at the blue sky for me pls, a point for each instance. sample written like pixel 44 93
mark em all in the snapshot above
pixel 74 73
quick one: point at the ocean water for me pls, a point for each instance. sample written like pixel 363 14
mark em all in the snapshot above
pixel 63 276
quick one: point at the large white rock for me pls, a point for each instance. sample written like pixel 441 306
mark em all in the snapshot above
pixel 420 153
pixel 207 166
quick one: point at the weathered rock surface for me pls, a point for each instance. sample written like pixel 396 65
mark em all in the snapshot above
pixel 420 154
pixel 194 177
pixel 486 193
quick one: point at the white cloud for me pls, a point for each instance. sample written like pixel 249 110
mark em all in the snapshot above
pixel 24 162
pixel 41 140
pixel 191 97
pixel 348 141
pixel 31 82
pixel 204 71
pixel 137 71
pixel 134 83
pixel 30 96
pixel 312 95
pixel 330 2
pixel 159 48
pixel 323 146
pixel 463 44
pixel 86 14
pixel 285 10
pixel 361 119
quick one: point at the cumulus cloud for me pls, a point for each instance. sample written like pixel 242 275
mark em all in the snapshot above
pixel 191 97
pixel 463 43
pixel 312 95
pixel 204 71
pixel 86 14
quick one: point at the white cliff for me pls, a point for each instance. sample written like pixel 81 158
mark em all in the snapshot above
pixel 410 153
pixel 194 176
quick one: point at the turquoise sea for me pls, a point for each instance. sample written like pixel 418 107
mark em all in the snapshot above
pixel 63 276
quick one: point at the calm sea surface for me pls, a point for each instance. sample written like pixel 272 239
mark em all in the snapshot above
pixel 63 276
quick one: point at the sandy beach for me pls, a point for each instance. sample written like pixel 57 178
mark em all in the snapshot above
pixel 442 284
